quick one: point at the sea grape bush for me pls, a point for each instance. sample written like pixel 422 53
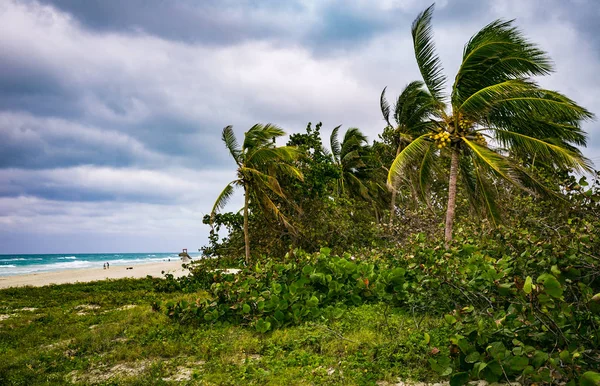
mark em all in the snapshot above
pixel 271 294
pixel 521 301
pixel 520 307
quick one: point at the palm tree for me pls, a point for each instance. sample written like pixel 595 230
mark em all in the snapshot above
pixel 348 156
pixel 412 111
pixel 259 162
pixel 494 109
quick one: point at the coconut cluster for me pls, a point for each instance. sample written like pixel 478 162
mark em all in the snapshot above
pixel 480 139
pixel 464 124
pixel 442 139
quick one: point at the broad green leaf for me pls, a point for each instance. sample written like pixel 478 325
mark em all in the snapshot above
pixel 426 338
pixel 555 270
pixel 551 285
pixel 459 379
pixel 450 319
pixel 496 350
pixel 472 357
pixel 527 285
pixel 590 378
pixel 312 302
pixel 325 251
pixel 517 363
pixel 262 326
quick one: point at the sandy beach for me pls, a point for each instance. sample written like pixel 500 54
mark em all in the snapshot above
pixel 93 274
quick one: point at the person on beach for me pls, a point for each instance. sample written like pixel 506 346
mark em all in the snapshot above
pixel 104 265
pixel 107 265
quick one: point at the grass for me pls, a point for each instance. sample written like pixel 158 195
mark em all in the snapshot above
pixel 107 333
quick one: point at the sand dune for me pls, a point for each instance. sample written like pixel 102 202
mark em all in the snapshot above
pixel 93 274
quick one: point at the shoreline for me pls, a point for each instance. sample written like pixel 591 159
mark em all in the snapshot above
pixel 86 275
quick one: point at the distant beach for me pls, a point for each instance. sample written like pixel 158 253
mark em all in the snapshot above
pixel 64 276
pixel 20 264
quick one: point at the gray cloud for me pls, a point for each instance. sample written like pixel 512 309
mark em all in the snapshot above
pixel 111 112
pixel 208 22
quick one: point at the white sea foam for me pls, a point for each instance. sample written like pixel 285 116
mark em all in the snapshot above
pixel 15 259
pixel 95 261
pixel 35 268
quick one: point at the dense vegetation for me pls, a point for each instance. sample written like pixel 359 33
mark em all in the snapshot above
pixel 462 244
pixel 477 207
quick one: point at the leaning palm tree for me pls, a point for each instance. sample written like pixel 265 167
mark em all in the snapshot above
pixel 259 163
pixel 494 110
pixel 348 157
pixel 411 112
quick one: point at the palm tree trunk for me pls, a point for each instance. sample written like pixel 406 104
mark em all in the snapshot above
pixel 393 207
pixel 394 192
pixel 246 235
pixel 451 197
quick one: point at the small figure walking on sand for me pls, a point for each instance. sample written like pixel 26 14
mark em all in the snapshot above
pixel 104 265
pixel 107 265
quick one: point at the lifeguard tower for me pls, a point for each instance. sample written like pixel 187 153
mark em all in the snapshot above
pixel 184 256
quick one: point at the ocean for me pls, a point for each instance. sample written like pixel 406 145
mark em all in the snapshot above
pixel 11 265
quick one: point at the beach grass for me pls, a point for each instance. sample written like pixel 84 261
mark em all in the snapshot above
pixel 106 332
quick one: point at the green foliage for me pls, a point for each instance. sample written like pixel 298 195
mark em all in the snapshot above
pixel 259 164
pixel 116 343
pixel 311 287
pixel 494 98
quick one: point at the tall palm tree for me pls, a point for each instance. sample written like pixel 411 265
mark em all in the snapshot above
pixel 494 108
pixel 348 156
pixel 259 163
pixel 412 111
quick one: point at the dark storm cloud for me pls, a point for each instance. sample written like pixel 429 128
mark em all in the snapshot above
pixel 209 22
pixel 111 111
pixel 584 15
pixel 31 142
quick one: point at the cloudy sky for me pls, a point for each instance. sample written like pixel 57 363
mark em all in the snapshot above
pixel 111 111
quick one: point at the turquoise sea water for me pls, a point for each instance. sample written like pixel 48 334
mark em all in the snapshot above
pixel 11 265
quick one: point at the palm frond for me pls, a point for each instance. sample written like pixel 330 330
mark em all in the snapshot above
pixel 538 104
pixel 410 155
pixel 481 101
pixel 359 186
pixel 469 179
pixel 411 101
pixel 222 199
pixel 261 135
pixel 352 160
pixel 494 161
pixel 266 155
pixel 486 194
pixel 498 52
pixel 426 171
pixel 285 169
pixel 533 185
pixel 385 107
pixel 268 205
pixel 544 149
pixel 231 143
pixel 427 60
pixel 335 144
pixel 354 140
pixel 261 180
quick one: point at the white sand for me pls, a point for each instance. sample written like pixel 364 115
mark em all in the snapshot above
pixel 93 274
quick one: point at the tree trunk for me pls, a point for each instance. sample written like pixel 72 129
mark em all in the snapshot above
pixel 451 197
pixel 394 192
pixel 246 235
pixel 393 207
